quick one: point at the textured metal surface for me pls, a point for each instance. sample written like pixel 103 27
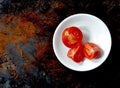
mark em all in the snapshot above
pixel 27 59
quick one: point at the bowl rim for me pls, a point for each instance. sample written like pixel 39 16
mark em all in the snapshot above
pixel 70 17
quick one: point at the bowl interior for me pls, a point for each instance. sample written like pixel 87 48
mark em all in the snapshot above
pixel 94 30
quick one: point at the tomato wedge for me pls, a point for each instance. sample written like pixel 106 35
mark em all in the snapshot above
pixel 76 53
pixel 91 50
pixel 72 36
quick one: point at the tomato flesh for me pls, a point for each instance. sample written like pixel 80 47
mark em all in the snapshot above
pixel 72 36
pixel 91 50
pixel 76 53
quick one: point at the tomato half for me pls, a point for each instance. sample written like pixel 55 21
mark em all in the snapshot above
pixel 91 50
pixel 72 36
pixel 76 53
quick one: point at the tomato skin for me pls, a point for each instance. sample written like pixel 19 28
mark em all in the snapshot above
pixel 91 50
pixel 72 36
pixel 76 53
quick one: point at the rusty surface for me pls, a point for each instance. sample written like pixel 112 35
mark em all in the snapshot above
pixel 27 59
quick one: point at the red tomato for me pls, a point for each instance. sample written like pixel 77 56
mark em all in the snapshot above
pixel 91 50
pixel 72 36
pixel 76 53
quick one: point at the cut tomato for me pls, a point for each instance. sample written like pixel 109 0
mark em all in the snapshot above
pixel 91 50
pixel 76 53
pixel 72 36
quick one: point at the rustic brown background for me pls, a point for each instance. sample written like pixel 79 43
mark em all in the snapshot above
pixel 53 74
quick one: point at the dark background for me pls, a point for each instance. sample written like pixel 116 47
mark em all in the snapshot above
pixel 105 76
pixel 108 74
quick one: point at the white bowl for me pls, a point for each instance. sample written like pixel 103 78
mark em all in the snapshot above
pixel 94 30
